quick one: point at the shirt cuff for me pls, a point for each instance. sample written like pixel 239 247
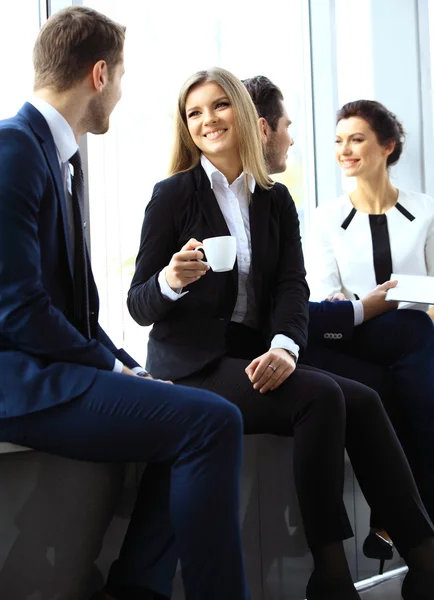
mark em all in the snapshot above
pixel 118 366
pixel 166 290
pixel 285 342
pixel 359 313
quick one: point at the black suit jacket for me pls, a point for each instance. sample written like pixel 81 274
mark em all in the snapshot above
pixel 189 333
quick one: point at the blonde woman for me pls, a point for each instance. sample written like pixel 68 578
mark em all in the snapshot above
pixel 239 333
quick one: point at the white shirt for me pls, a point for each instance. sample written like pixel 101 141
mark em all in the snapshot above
pixel 66 146
pixel 342 259
pixel 234 205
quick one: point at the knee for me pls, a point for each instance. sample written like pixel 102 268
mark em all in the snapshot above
pixel 224 416
pixel 417 326
pixel 324 397
pixel 365 401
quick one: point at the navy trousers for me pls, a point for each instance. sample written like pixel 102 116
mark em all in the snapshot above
pixel 394 354
pixel 192 440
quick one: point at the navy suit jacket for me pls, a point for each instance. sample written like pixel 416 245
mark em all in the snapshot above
pixel 331 321
pixel 44 359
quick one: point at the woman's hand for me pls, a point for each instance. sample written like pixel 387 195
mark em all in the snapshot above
pixel 185 268
pixel 269 371
pixel 336 297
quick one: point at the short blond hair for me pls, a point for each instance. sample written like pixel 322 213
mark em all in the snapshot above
pixel 185 153
pixel 71 42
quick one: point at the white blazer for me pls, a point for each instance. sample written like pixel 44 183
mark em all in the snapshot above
pixel 351 252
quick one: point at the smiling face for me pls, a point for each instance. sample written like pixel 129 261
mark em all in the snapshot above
pixel 358 151
pixel 211 121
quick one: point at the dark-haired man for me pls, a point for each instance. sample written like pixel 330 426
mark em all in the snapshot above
pixel 367 340
pixel 64 387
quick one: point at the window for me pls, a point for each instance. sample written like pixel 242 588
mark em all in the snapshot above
pixel 16 45
pixel 164 46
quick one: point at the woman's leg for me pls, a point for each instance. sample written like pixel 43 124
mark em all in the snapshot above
pixel 310 407
pixel 382 468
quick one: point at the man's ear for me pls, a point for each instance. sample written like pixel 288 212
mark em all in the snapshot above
pixel 264 129
pixel 99 75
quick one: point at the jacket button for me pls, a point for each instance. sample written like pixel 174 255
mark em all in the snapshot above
pixel 339 336
pixel 326 335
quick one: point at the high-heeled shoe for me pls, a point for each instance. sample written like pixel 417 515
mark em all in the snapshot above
pixel 376 546
pixel 318 590
pixel 417 586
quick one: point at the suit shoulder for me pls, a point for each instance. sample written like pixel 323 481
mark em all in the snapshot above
pixel 416 202
pixel 19 146
pixel 16 136
pixel 333 211
pixel 171 195
pixel 281 194
pixel 179 184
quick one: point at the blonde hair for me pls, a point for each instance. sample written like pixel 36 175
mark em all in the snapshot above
pixel 185 153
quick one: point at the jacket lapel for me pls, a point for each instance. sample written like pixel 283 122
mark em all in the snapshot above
pixel 259 211
pixel 42 131
pixel 209 205
pixel 211 210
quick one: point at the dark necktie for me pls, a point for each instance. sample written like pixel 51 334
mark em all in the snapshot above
pixel 81 276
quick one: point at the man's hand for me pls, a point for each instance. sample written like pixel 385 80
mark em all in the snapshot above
pixel 185 266
pixel 269 371
pixel 127 371
pixel 375 302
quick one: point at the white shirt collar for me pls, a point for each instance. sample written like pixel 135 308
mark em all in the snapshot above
pixel 214 174
pixel 61 131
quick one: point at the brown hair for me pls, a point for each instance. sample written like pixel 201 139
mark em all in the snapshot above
pixel 71 42
pixel 383 123
pixel 185 153
pixel 267 98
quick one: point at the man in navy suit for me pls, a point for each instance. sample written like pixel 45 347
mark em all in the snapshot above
pixel 367 340
pixel 64 387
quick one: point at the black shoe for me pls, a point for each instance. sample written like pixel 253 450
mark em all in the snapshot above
pixel 130 592
pixel 376 546
pixel 418 586
pixel 319 590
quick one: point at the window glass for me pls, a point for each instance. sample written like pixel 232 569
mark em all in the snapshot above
pixel 19 26
pixel 163 48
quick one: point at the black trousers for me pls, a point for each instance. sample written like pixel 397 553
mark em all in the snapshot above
pixel 394 354
pixel 325 413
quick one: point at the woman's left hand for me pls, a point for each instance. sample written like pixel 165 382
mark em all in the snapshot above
pixel 269 371
pixel 338 297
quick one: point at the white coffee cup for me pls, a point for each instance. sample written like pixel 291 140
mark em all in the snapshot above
pixel 220 253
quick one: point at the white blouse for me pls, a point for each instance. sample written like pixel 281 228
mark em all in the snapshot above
pixel 351 252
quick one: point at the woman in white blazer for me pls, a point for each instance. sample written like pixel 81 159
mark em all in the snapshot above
pixel 359 239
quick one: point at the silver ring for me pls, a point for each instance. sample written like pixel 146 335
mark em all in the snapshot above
pixel 272 368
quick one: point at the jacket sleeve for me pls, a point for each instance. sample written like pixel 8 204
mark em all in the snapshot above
pixel 158 243
pixel 119 353
pixel 322 268
pixel 28 319
pixel 331 317
pixel 291 292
